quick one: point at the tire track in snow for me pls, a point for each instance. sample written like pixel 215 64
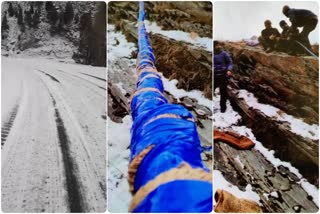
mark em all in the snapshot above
pixel 95 77
pixel 52 77
pixel 5 129
pixel 75 201
pixel 85 79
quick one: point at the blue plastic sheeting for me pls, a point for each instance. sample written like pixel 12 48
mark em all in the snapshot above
pixel 178 196
pixel 175 141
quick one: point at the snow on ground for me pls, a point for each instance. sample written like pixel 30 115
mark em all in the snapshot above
pixel 54 47
pixel 119 58
pixel 229 119
pixel 118 160
pixel 202 42
pixel 118 46
pixel 47 47
pixel 34 154
pixel 225 185
pixel 297 125
pixel 171 86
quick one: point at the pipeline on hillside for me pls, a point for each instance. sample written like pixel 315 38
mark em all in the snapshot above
pixel 166 173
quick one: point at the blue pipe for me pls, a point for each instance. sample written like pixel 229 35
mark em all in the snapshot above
pixel 175 140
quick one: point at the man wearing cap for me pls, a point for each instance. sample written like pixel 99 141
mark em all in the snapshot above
pixel 268 37
pixel 301 18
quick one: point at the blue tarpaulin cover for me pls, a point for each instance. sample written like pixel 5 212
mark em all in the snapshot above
pixel 175 140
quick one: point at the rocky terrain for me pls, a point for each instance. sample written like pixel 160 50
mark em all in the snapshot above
pixel 189 64
pixel 287 82
pixel 183 49
pixel 274 102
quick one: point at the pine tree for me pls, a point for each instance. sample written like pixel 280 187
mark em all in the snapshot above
pixel 69 13
pixel 38 5
pixel 99 30
pixel 28 18
pixel 36 19
pixel 61 20
pixel 86 38
pixel 10 10
pixel 16 12
pixel 4 24
pixel 49 5
pixel 52 13
pixel 20 16
pixel 31 9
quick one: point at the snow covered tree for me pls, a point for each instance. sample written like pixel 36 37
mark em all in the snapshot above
pixel 69 13
pixel 10 10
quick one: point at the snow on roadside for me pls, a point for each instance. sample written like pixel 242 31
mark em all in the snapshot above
pixel 225 185
pixel 228 120
pixel 118 160
pixel 203 42
pixel 297 126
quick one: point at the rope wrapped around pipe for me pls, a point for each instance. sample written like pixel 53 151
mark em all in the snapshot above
pixel 166 173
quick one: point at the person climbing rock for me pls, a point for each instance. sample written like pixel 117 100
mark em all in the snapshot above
pixel 301 18
pixel 223 66
pixel 268 37
pixel 286 40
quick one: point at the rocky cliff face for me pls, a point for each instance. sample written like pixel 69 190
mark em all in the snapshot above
pixel 287 82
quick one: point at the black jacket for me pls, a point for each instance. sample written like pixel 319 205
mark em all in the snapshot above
pixel 266 33
pixel 300 17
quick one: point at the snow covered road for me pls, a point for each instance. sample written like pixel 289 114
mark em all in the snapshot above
pixel 53 136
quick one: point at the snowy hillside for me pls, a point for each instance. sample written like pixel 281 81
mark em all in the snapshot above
pixel 55 30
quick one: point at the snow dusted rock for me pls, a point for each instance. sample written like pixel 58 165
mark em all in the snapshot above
pixel 287 82
pixel 191 17
pixel 289 137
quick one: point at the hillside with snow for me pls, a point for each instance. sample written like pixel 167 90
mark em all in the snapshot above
pixel 60 30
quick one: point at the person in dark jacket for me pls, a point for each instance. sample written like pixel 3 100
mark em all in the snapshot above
pixel 268 37
pixel 222 70
pixel 301 18
pixel 286 40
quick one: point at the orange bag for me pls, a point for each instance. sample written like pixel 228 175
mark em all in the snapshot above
pixel 233 139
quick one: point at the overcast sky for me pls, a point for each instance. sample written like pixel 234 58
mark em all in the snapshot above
pixel 240 20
